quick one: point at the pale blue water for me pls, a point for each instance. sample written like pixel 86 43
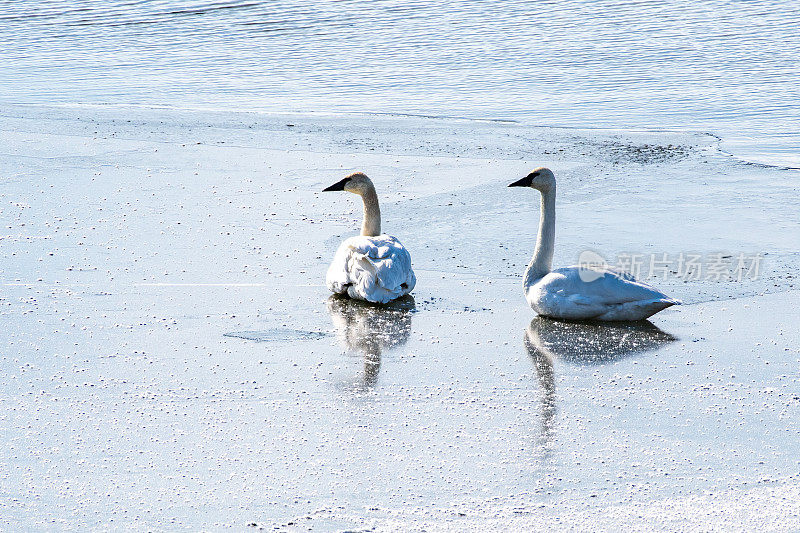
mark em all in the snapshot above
pixel 728 67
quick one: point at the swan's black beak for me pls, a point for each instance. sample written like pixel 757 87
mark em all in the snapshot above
pixel 524 182
pixel 338 186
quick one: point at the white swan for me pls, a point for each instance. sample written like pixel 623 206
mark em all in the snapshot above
pixel 580 292
pixel 371 266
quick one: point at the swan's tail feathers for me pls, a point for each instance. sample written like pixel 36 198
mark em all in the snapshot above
pixel 639 310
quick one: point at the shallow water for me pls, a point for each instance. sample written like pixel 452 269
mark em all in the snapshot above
pixel 729 68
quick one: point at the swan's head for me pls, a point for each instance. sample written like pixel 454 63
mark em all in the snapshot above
pixel 357 183
pixel 541 179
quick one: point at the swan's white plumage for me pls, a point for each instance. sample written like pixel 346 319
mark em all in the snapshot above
pixel 580 292
pixel 375 269
pixel 610 295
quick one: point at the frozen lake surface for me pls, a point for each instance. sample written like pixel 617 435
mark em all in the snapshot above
pixel 171 358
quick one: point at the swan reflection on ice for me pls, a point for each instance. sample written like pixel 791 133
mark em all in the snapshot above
pixel 547 339
pixel 592 342
pixel 371 329
pixel 543 364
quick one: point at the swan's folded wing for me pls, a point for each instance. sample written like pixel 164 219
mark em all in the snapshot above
pixel 608 286
pixel 565 293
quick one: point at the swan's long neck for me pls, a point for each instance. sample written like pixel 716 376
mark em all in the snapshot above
pixel 371 227
pixel 542 260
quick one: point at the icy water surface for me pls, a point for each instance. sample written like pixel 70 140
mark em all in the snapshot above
pixel 171 359
pixel 726 67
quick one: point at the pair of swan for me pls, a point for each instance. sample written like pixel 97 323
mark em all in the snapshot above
pixel 377 268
